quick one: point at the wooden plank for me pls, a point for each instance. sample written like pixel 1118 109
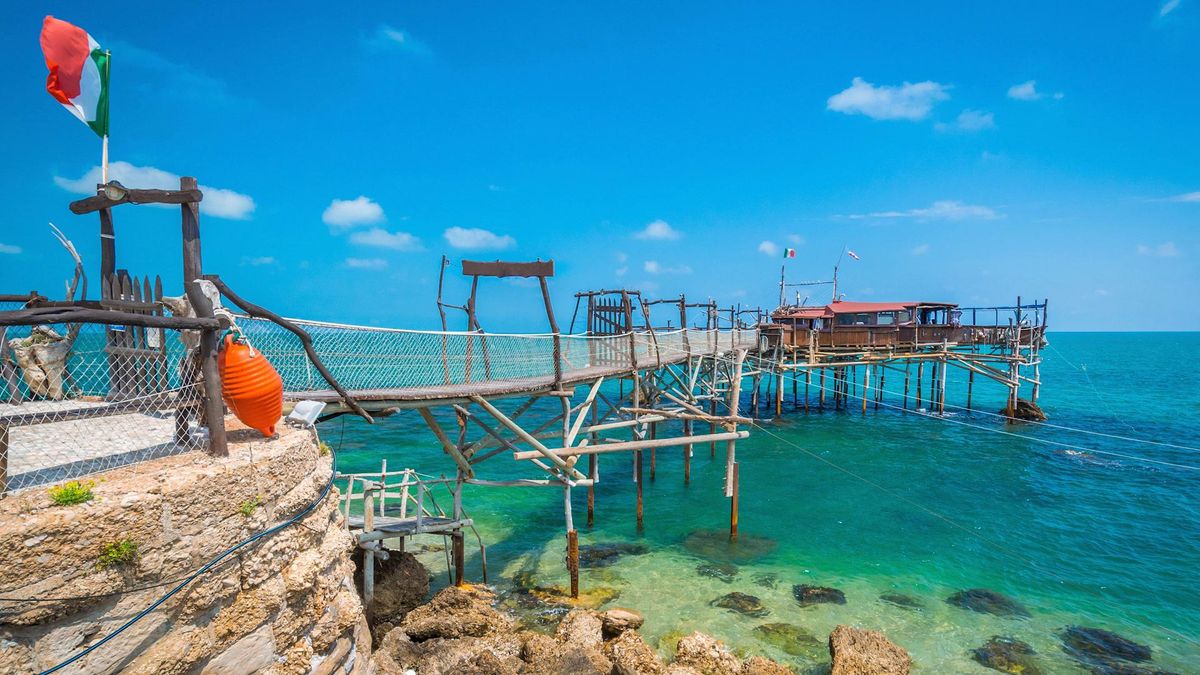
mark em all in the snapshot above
pixel 500 269
pixel 101 202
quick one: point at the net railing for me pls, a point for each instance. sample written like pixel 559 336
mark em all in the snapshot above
pixel 365 359
pixel 78 400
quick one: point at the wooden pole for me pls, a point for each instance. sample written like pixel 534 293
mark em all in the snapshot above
pixel 807 381
pixel 733 504
pixel 779 394
pixel 907 364
pixel 593 471
pixel 942 388
pixel 970 386
pixel 653 452
pixel 637 472
pixel 459 546
pixel 920 375
pixel 573 561
pixel 687 453
pixel 866 387
pixel 368 553
pixel 821 394
pixel 879 390
pixel 193 269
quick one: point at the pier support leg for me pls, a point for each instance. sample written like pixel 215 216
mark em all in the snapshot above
pixel 712 427
pixel 970 386
pixel 879 390
pixel 637 477
pixel 906 370
pixel 821 395
pixel 573 561
pixel 779 395
pixel 591 491
pixel 733 505
pixel 807 382
pixel 687 454
pixel 866 387
pixel 920 376
pixel 942 388
pixel 460 557
pixel 653 454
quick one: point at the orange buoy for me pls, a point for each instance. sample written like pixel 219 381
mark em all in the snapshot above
pixel 250 385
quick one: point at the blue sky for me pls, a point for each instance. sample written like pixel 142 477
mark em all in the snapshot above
pixel 967 153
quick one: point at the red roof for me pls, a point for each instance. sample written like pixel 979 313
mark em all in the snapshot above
pixel 803 313
pixel 856 307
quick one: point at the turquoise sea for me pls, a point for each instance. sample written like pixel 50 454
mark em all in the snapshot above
pixel 902 503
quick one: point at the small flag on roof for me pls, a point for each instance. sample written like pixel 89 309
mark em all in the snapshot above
pixel 78 76
pixel 789 253
pixel 852 254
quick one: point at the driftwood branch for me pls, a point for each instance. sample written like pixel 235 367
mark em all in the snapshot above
pixel 99 202
pixel 50 315
pixel 263 313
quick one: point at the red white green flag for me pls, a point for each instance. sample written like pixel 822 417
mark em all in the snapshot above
pixel 789 253
pixel 78 76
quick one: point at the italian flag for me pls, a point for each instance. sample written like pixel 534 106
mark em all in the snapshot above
pixel 78 76
pixel 789 253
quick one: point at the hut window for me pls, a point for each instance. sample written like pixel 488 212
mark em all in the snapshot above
pixel 885 318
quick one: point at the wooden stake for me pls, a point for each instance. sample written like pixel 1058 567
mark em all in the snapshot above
pixel 459 557
pixel 866 387
pixel 821 395
pixel 653 451
pixel 637 471
pixel 687 453
pixel 573 561
pixel 906 371
pixel 807 382
pixel 733 505
pixel 920 374
pixel 970 386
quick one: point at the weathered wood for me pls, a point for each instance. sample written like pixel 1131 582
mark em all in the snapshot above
pixel 102 203
pixel 573 561
pixel 733 504
pixel 501 269
pixel 460 559
pixel 51 315
pixel 305 340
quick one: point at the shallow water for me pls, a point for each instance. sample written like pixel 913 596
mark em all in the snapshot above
pixel 901 503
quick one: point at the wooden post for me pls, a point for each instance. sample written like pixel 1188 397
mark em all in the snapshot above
pixel 573 561
pixel 920 374
pixel 637 477
pixel 459 556
pixel 821 395
pixel 779 394
pixel 733 504
pixel 712 426
pixel 653 454
pixel 807 382
pixel 687 453
pixel 368 553
pixel 866 387
pixel 970 386
pixel 879 389
pixel 193 269
pixel 591 491
pixel 942 387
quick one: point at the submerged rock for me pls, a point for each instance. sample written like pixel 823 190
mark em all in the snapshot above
pixel 618 620
pixel 766 580
pixel 864 652
pixel 591 597
pixel 903 601
pixel 715 545
pixel 815 595
pixel 1007 655
pixel 706 655
pixel 790 639
pixel 987 602
pixel 1098 645
pixel 605 576
pixel 1026 410
pixel 720 571
pixel 607 553
pixel 742 603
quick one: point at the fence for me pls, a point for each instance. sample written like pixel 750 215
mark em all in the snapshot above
pixel 83 398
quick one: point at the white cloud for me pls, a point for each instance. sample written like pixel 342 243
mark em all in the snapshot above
pixel 908 101
pixel 1168 7
pixel 381 238
pixel 1027 91
pixel 969 120
pixel 920 249
pixel 796 240
pixel 768 248
pixel 387 37
pixel 259 261
pixel 346 213
pixel 658 230
pixel 477 239
pixel 217 202
pixel 366 263
pixel 939 210
pixel 1185 197
pixel 9 249
pixel 653 267
pixel 1164 250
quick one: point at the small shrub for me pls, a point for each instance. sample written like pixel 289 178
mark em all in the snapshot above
pixel 72 492
pixel 248 506
pixel 325 449
pixel 118 554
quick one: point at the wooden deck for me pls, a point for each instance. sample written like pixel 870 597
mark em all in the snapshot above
pixel 403 527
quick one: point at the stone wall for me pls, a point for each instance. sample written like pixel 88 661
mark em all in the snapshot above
pixel 285 604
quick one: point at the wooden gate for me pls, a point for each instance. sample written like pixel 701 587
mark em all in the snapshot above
pixel 137 356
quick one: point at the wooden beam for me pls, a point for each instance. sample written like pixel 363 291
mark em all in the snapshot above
pixel 501 269
pixel 626 446
pixel 137 196
pixel 51 315
pixel 447 444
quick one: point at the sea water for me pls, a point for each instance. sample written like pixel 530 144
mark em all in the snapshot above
pixel 1072 526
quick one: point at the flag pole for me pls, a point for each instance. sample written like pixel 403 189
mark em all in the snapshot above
pixel 104 138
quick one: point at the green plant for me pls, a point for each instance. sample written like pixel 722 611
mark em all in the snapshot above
pixel 72 492
pixel 324 448
pixel 118 554
pixel 248 506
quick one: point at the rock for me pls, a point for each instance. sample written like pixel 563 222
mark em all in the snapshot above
pixel 903 601
pixel 455 613
pixel 706 655
pixel 569 660
pixel 618 620
pixel 592 597
pixel 582 628
pixel 790 639
pixel 1007 655
pixel 987 602
pixel 605 554
pixel 669 641
pixel 605 576
pixel 1096 645
pixel 767 580
pixel 1026 410
pixel 715 545
pixel 680 669
pixel 42 360
pixel 864 652
pixel 630 655
pixel 813 595
pixel 761 665
pixel 720 571
pixel 401 583
pixel 531 611
pixel 741 603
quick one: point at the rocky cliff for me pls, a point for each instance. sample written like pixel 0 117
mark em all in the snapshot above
pixel 70 575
